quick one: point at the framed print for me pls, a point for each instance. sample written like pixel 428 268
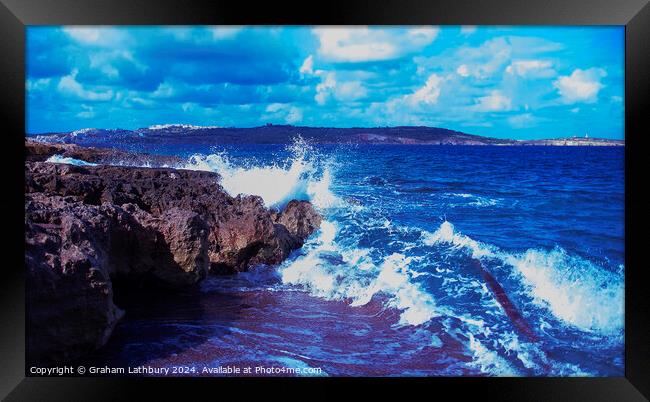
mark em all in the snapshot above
pixel 446 196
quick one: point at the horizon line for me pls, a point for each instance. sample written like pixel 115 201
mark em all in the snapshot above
pixel 198 127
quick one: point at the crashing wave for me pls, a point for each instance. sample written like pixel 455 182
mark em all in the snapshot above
pixel 573 289
pixel 328 271
pixel 303 176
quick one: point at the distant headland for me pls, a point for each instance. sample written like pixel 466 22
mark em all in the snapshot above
pixel 281 134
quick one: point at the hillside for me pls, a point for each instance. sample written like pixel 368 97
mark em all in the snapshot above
pixel 281 134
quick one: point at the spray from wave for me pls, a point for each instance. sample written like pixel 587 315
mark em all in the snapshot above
pixel 304 175
pixel 573 289
pixel 330 271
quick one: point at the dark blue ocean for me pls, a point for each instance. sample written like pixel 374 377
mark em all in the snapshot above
pixel 431 260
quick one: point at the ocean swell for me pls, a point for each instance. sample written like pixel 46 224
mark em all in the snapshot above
pixel 573 289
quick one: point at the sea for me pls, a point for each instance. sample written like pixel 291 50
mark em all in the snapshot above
pixel 430 261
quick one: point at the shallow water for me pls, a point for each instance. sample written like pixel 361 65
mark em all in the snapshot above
pixel 390 286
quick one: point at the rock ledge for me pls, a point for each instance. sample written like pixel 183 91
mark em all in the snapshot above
pixel 88 228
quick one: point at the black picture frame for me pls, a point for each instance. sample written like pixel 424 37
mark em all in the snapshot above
pixel 15 15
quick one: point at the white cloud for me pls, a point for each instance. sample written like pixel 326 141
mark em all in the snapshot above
pixel 352 44
pixel 307 66
pixel 485 60
pixel 429 93
pixel 359 44
pixel 274 107
pixel 69 86
pixel 494 102
pixel 522 120
pixel 294 115
pixel 164 90
pixel 83 34
pixel 422 36
pixel 531 68
pixel 410 109
pixel 581 85
pixel 468 29
pixel 280 111
pixel 462 70
pixel 350 91
pixel 87 112
pixel 188 107
pixel 37 84
pixel 324 89
pixel 98 36
pixel 330 87
pixel 221 33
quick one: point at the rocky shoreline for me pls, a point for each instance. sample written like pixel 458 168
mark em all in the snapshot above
pixel 90 229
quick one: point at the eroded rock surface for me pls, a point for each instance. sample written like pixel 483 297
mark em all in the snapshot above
pixel 90 227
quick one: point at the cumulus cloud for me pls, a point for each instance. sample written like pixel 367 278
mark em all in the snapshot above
pixel 422 36
pixel 468 29
pixel 522 120
pixel 531 68
pixel 343 91
pixel 410 109
pixel 324 89
pixel 69 86
pixel 290 114
pixel 307 66
pixel 485 60
pixel 360 44
pixel 349 44
pixel 429 93
pixel 221 33
pixel 581 85
pixel 294 115
pixel 494 102
pixel 97 36
pixel 463 70
pixel 350 91
pixel 84 34
pixel 87 112
pixel 37 84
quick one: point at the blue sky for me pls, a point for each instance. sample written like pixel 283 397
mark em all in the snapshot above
pixel 508 82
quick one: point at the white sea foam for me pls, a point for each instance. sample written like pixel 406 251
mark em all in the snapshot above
pixel 489 361
pixel 447 234
pixel 68 161
pixel 573 289
pixel 302 177
pixel 353 275
pixel 474 200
